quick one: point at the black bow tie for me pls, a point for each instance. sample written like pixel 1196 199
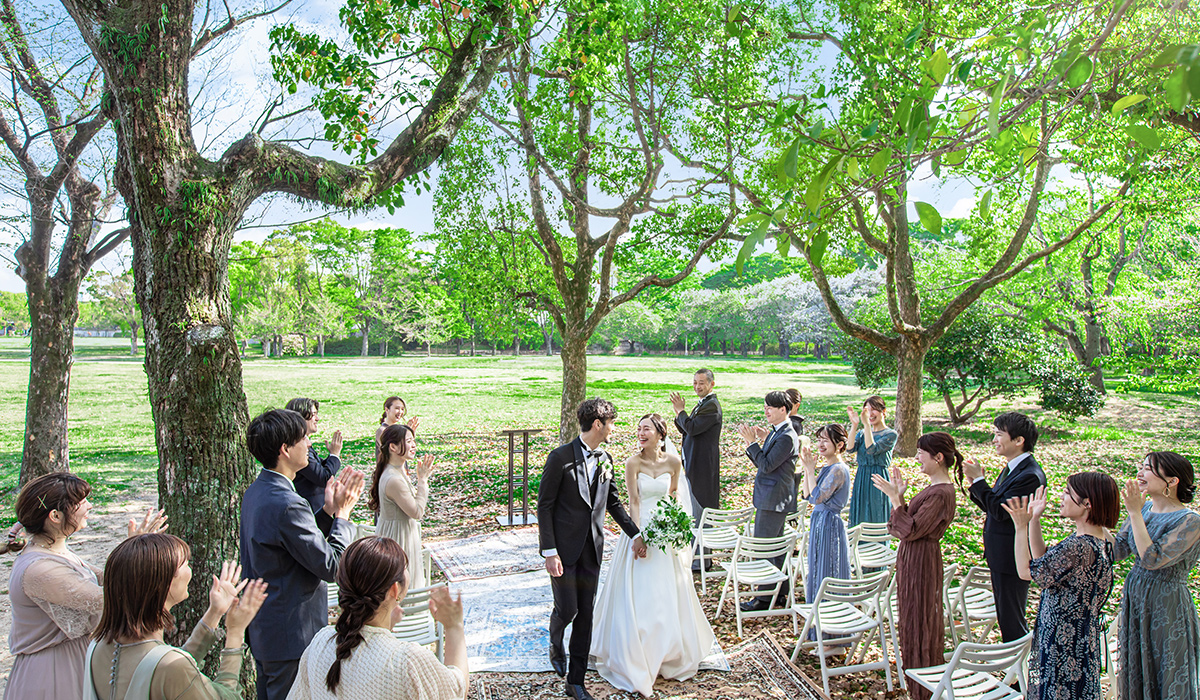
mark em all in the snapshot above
pixel 593 453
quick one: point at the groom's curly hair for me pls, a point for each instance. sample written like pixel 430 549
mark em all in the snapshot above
pixel 593 410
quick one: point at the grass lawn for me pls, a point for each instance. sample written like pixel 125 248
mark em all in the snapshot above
pixel 463 402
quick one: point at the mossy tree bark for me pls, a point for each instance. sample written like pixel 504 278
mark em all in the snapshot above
pixel 183 210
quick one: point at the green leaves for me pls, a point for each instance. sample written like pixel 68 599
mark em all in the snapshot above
pixel 1177 88
pixel 930 218
pixel 790 161
pixel 816 249
pixel 1126 102
pixel 994 107
pixel 1080 71
pixel 985 204
pixel 1146 137
pixel 879 162
pixel 939 66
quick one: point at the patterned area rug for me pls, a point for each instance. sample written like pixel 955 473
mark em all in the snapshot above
pixel 507 618
pixel 495 554
pixel 758 669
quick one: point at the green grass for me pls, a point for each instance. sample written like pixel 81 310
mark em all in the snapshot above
pixel 463 402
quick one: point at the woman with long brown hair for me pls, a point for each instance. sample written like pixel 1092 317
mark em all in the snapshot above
pixel 919 525
pixel 398 498
pixel 56 596
pixel 359 659
pixel 146 576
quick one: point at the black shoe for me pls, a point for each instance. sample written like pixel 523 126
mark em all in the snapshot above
pixel 558 660
pixel 578 692
pixel 755 605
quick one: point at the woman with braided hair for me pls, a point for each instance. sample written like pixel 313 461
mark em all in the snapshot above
pixel 358 658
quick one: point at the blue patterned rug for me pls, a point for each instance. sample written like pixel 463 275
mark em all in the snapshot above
pixel 495 554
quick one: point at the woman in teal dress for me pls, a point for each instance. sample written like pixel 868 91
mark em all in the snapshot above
pixel 1159 631
pixel 873 447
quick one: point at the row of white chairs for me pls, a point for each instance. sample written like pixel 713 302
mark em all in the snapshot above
pixel 417 625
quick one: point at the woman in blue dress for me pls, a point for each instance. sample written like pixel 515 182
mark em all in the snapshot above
pixel 828 547
pixel 1075 577
pixel 1159 631
pixel 872 449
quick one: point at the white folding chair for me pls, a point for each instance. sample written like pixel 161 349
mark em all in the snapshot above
pixel 973 601
pixel 972 672
pixel 848 610
pixel 1111 662
pixel 891 617
pixel 417 625
pixel 718 532
pixel 751 566
pixel 870 548
pixel 948 574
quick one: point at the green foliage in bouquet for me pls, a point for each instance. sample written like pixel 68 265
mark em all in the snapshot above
pixel 669 527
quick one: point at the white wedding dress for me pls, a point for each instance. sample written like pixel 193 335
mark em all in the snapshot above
pixel 648 621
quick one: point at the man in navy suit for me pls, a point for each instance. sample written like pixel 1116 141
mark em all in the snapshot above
pixel 577 488
pixel 1015 435
pixel 310 482
pixel 775 482
pixel 286 545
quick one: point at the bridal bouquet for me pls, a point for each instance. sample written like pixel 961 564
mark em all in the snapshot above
pixel 669 527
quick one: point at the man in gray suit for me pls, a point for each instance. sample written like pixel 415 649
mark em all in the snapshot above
pixel 294 550
pixel 775 482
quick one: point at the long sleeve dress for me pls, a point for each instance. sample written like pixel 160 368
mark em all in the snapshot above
pixel 176 677
pixel 919 525
pixel 828 547
pixel 401 507
pixel 869 504
pixel 1159 631
pixel 1075 577
pixel 56 602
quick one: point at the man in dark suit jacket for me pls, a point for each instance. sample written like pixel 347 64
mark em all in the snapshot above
pixel 286 545
pixel 310 482
pixel 775 482
pixel 701 443
pixel 1015 436
pixel 577 487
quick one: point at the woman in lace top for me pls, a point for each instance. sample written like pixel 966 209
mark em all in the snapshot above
pixel 1159 631
pixel 398 498
pixel 55 595
pixel 1075 577
pixel 147 576
pixel 359 659
pixel 828 547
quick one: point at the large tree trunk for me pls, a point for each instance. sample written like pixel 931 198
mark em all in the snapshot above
pixel 910 363
pixel 133 331
pixel 366 331
pixel 52 316
pixel 321 345
pixel 785 348
pixel 549 345
pixel 574 384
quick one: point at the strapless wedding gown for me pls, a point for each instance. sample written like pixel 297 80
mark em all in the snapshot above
pixel 648 621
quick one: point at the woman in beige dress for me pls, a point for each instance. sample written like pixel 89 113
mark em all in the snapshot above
pixel 398 498
pixel 359 659
pixel 147 576
pixel 56 596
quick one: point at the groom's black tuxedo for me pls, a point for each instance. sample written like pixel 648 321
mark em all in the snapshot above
pixel 570 520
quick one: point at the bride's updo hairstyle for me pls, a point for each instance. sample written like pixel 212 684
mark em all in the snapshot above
pixel 660 427
pixel 367 570
pixel 396 434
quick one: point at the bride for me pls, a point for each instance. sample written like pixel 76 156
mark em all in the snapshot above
pixel 648 620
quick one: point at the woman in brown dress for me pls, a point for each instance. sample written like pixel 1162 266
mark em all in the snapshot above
pixel 919 526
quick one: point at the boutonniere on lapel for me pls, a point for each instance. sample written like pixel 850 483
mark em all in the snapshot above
pixel 605 465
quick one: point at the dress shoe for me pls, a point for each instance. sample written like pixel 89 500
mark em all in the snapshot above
pixel 558 660
pixel 755 605
pixel 578 692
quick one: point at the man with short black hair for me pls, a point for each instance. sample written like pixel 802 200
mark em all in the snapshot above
pixel 286 545
pixel 577 488
pixel 1014 436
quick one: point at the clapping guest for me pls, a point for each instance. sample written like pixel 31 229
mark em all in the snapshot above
pixel 310 483
pixel 919 525
pixel 394 411
pixel 828 546
pixel 873 446
pixel 400 499
pixel 1075 577
pixel 359 658
pixel 1159 631
pixel 147 576
pixel 291 548
pixel 56 596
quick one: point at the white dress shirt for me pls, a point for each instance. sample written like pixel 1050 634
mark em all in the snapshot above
pixel 1012 464
pixel 592 461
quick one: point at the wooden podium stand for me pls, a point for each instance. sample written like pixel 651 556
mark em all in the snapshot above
pixel 518 515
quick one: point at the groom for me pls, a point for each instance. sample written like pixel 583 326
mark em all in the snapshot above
pixel 577 488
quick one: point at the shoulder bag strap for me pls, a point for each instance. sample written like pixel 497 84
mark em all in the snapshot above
pixel 139 685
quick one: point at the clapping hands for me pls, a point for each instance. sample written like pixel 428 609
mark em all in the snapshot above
pixel 1026 508
pixel 226 587
pixel 972 469
pixel 893 488
pixel 413 423
pixel 154 521
pixel 444 609
pixel 751 433
pixel 425 468
pixel 223 600
pixel 343 491
pixel 1133 497
pixel 677 402
pixel 334 444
